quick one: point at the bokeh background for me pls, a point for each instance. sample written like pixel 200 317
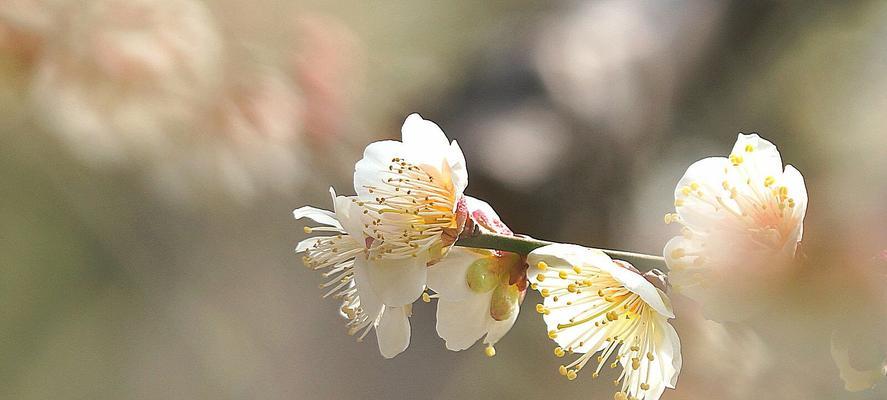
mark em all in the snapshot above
pixel 151 153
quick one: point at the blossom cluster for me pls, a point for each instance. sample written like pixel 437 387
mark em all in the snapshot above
pixel 406 235
pixel 397 240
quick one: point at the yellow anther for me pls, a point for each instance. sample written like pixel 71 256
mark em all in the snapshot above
pixel 562 370
pixel 678 202
pixel 426 297
pixel 736 159
pixel 749 148
pixel 769 181
pixel 572 288
pixel 490 351
pixel 650 356
pixel 540 277
pixel 534 286
pixel 694 186
pixel 685 191
pixel 594 375
pixel 542 265
pixel 552 334
pixel 571 374
pixel 613 365
pixel 635 363
pixel 559 352
pixel 545 292
pixel 725 184
pixel 635 348
pixel 645 386
pixel 620 396
pixel 307 229
pixel 540 308
pixel 612 316
pixel 562 274
pixel 576 269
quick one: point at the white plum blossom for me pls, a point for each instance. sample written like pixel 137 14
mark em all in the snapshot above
pixel 414 188
pixel 478 290
pixel 116 77
pixel 742 220
pixel 342 255
pixel 595 305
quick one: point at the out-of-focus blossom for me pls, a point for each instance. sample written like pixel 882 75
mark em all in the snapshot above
pixel 616 64
pixel 742 220
pixel 24 24
pixel 596 305
pixel 479 291
pixel 328 66
pixel 505 136
pixel 415 188
pixel 859 349
pixel 342 256
pixel 118 77
pixel 715 354
pixel 250 142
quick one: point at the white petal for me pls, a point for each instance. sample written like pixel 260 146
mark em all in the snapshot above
pixel 397 282
pixel 349 215
pixel 372 169
pixel 560 253
pixel 709 174
pixel 425 142
pixel 671 346
pixel 308 243
pixel 763 160
pixel 393 331
pixel 458 167
pixel 797 190
pixel 449 276
pixel 637 284
pixel 369 302
pixel 461 323
pixel 317 215
pixel 497 329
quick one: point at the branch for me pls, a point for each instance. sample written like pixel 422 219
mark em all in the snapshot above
pixel 524 245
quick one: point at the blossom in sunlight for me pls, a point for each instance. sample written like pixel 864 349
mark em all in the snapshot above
pixel 341 254
pixel 595 305
pixel 414 189
pixel 742 219
pixel 116 77
pixel 479 291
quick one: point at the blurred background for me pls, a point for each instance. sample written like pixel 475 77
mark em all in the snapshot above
pixel 151 153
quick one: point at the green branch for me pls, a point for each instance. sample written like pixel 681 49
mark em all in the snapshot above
pixel 524 245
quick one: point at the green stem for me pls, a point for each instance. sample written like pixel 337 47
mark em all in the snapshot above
pixel 524 245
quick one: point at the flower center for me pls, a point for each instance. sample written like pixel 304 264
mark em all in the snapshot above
pixel 414 206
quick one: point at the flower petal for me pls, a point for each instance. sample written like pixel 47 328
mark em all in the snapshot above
pixel 425 142
pixel 497 329
pixel 456 159
pixel 320 216
pixel 637 284
pixel 397 282
pixel 797 190
pixel 763 160
pixel 393 331
pixel 461 323
pixel 449 276
pixel 371 170
pixel 706 175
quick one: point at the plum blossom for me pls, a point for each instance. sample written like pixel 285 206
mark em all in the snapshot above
pixel 595 305
pixel 742 219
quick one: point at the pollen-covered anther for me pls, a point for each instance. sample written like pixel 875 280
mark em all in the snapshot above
pixel 490 351
pixel 559 352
